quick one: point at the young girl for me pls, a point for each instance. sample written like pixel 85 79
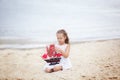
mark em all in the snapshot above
pixel 62 47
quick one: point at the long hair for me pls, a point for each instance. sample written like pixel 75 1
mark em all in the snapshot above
pixel 65 34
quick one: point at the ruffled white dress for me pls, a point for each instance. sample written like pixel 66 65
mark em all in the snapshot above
pixel 64 62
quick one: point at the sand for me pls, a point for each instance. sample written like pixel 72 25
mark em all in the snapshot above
pixel 95 60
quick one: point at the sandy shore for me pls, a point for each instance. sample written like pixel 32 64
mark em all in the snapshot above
pixel 96 60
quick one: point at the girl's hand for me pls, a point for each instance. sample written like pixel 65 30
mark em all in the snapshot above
pixel 64 54
pixel 58 50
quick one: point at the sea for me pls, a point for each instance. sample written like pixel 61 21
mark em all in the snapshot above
pixel 34 23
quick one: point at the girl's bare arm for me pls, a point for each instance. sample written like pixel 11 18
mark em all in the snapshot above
pixel 66 53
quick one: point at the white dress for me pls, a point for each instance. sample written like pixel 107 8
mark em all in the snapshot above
pixel 64 62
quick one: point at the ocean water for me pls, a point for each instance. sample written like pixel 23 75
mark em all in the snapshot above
pixel 38 20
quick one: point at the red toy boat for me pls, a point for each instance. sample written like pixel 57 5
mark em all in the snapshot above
pixel 52 56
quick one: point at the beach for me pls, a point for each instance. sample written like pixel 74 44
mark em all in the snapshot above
pixel 91 60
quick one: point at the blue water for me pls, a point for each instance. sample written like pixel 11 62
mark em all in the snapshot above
pixel 40 19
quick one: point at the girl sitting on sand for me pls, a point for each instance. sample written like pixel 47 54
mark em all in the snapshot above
pixel 62 47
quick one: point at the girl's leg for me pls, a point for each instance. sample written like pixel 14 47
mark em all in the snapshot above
pixel 57 68
pixel 50 69
pixel 47 70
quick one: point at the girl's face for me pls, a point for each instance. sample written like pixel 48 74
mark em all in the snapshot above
pixel 61 38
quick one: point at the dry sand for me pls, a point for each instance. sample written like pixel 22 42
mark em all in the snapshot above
pixel 96 60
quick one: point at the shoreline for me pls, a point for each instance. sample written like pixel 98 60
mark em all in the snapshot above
pixel 23 44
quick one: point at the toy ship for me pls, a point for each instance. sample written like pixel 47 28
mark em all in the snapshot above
pixel 52 57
